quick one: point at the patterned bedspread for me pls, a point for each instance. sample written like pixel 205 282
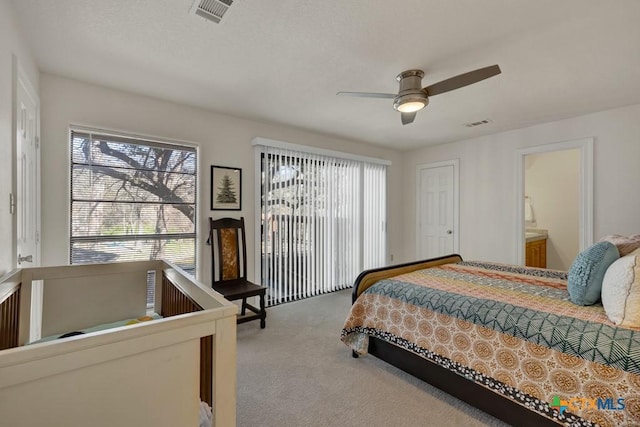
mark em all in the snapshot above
pixel 513 330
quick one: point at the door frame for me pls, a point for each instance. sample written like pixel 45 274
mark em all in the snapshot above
pixel 585 216
pixel 456 200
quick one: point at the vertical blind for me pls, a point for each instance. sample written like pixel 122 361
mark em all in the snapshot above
pixel 132 199
pixel 374 202
pixel 323 221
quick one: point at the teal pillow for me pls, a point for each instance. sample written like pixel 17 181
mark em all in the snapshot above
pixel 584 281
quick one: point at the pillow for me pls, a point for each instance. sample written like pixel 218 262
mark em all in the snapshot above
pixel 621 291
pixel 625 245
pixel 584 281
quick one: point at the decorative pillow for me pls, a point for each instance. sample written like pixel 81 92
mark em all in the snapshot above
pixel 621 291
pixel 584 281
pixel 625 245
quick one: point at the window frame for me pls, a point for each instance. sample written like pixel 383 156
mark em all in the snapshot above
pixel 141 140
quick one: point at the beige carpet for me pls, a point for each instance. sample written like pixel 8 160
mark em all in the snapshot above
pixel 297 373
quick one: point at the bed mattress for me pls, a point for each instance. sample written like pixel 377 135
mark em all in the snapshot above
pixel 101 327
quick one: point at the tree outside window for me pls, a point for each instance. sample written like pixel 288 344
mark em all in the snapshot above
pixel 132 200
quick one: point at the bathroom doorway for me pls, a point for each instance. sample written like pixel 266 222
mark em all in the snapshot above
pixel 555 208
pixel 551 210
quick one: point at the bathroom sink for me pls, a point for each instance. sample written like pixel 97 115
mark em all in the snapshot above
pixel 532 235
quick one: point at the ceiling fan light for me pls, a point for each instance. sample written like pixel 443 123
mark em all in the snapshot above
pixel 411 106
pixel 410 102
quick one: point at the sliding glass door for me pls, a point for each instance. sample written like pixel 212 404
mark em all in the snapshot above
pixel 322 222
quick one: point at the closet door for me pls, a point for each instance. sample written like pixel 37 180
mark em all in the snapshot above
pixel 436 210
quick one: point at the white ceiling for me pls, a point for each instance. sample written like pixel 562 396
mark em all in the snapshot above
pixel 283 61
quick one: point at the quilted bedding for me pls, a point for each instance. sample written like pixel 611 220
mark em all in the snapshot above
pixel 513 330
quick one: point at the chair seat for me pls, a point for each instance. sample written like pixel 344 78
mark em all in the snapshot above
pixel 236 289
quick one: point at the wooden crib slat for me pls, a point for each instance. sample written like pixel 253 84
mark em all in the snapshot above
pixel 206 369
pixel 10 320
pixel 174 302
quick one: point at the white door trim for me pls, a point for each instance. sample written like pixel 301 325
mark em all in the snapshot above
pixel 456 200
pixel 585 232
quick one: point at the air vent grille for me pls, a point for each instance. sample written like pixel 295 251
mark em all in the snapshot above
pixel 212 10
pixel 481 122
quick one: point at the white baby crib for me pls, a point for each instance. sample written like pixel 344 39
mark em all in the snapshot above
pixel 152 373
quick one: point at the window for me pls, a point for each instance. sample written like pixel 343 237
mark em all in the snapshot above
pixel 132 199
pixel 323 221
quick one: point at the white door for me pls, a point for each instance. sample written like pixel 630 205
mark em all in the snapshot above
pixel 436 210
pixel 28 176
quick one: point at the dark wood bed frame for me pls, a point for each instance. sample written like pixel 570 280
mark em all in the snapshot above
pixel 444 379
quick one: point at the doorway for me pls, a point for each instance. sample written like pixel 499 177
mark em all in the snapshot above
pixel 437 209
pixel 529 207
pixel 25 198
pixel 27 149
pixel 552 192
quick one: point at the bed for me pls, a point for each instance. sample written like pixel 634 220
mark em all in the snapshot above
pixel 503 338
pixel 156 372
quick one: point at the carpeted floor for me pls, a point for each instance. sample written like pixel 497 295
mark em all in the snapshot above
pixel 297 373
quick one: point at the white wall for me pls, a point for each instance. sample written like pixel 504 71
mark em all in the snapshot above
pixel 223 140
pixel 552 181
pixel 12 45
pixel 487 180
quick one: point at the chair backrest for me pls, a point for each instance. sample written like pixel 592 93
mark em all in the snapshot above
pixel 228 249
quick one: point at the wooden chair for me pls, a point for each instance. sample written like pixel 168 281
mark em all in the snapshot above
pixel 227 238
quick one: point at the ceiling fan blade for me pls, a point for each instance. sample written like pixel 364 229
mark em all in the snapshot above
pixel 462 80
pixel 408 117
pixel 368 94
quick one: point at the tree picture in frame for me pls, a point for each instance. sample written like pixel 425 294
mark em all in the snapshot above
pixel 226 188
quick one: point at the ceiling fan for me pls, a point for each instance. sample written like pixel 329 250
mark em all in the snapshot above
pixel 412 97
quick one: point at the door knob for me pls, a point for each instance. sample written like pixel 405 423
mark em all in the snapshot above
pixel 449 231
pixel 28 258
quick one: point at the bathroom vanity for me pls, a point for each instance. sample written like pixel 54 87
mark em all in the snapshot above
pixel 536 248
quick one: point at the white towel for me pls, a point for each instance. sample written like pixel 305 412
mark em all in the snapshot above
pixel 528 210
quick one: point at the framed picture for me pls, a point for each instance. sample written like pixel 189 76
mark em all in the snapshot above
pixel 226 188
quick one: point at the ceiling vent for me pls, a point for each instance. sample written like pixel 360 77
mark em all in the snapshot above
pixel 481 122
pixel 213 10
